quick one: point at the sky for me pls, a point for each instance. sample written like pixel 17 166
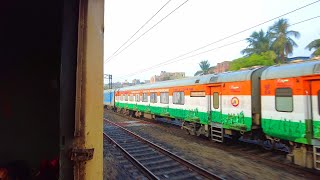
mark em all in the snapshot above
pixel 195 24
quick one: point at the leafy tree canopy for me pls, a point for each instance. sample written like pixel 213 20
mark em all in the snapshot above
pixel 263 59
pixel 316 52
pixel 314 45
pixel 204 66
pixel 282 43
pixel 258 42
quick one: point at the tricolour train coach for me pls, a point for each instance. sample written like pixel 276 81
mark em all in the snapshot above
pixel 277 104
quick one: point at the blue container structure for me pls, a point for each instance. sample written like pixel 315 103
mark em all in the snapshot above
pixel 108 97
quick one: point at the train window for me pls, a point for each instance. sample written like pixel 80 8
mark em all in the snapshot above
pixel 126 97
pixel 216 100
pixel 153 97
pixel 145 97
pixel 319 102
pixel 131 98
pixel 164 98
pixel 138 97
pixel 178 98
pixel 284 100
pixel 121 97
pixel 197 94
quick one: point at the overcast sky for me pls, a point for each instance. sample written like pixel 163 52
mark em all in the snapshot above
pixel 194 25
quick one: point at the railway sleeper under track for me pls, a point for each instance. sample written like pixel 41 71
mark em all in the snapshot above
pixel 154 161
pixel 278 157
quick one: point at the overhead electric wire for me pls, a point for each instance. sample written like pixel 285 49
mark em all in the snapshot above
pixel 154 67
pixel 233 34
pixel 227 37
pixel 166 63
pixel 149 29
pixel 234 42
pixel 138 30
pixel 304 21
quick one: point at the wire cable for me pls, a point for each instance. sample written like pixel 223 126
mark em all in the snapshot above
pixel 227 37
pixel 149 29
pixel 154 67
pixel 139 29
pixel 247 29
pixel 166 63
pixel 304 21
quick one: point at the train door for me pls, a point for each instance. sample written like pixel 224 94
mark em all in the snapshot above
pixel 215 113
pixel 315 101
pixel 315 121
pixel 215 104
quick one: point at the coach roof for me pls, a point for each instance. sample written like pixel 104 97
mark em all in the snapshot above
pixel 292 70
pixel 235 76
pixel 242 75
pixel 108 90
pixel 177 82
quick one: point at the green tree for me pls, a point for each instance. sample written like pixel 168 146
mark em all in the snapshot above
pixel 314 45
pixel 258 42
pixel 204 66
pixel 262 59
pixel 280 36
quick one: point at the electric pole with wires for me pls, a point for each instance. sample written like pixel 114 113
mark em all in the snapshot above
pixel 109 77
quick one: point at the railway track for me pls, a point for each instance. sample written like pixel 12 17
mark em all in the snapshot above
pixel 152 160
pixel 251 151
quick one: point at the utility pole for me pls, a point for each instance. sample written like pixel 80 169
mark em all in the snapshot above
pixel 109 77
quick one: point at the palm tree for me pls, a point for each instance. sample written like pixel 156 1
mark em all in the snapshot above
pixel 258 42
pixel 280 36
pixel 314 45
pixel 204 65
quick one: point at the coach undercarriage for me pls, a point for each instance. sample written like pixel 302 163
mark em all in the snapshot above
pixel 300 154
pixel 195 128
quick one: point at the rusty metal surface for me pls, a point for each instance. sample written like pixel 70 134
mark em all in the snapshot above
pixel 79 168
pixel 89 88
pixel 82 154
pixel 79 78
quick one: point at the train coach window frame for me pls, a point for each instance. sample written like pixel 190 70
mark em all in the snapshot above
pixel 197 94
pixel 121 97
pixel 131 97
pixel 284 100
pixel 145 97
pixel 164 97
pixel 319 102
pixel 178 98
pixel 126 97
pixel 216 100
pixel 153 97
pixel 137 97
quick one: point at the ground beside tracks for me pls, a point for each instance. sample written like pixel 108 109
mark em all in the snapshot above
pixel 227 165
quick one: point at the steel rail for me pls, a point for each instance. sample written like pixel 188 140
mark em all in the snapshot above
pixel 266 159
pixel 135 162
pixel 184 162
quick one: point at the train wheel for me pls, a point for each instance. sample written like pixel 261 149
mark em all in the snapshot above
pixel 268 144
pixel 187 132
